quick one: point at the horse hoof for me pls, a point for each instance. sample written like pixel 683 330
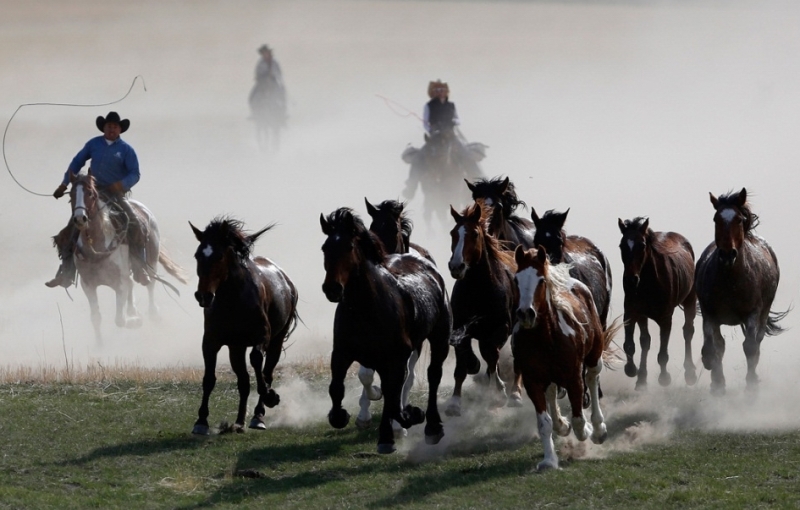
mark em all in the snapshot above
pixel 562 392
pixel 452 411
pixel 400 433
pixel 545 465
pixel 600 437
pixel 239 428
pixel 630 370
pixel 384 448
pixel 201 430
pixel 641 385
pixel 434 437
pixel 133 323
pixel 690 377
pixel 411 416
pixel 515 400
pixel 338 418
pixel 258 423
pixel 717 390
pixel 271 399
pixel 664 379
pixel 363 424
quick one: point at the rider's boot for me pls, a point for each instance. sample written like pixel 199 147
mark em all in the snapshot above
pixel 65 275
pixel 138 257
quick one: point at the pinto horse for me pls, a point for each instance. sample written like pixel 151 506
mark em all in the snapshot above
pixel 482 300
pixel 387 306
pixel 559 335
pixel 659 275
pixel 736 279
pixel 247 302
pixel 102 256
pixel 500 195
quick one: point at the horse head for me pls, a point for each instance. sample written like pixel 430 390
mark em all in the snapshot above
pixel 550 233
pixel 634 248
pixel 467 239
pixel 83 197
pixel 733 221
pixel 532 269
pixel 390 225
pixel 348 245
pixel 223 247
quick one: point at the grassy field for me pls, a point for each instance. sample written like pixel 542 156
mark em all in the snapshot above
pixel 116 439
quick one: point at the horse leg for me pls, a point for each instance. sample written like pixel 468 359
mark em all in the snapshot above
pixel 515 399
pixel 754 331
pixel 463 359
pixel 368 393
pixel 94 308
pixel 239 366
pixel 581 428
pixel 274 351
pixel 257 362
pixel 536 392
pixel 440 348
pixel 711 354
pixel 411 365
pixel 561 425
pixel 132 319
pixel 629 346
pixel 391 386
pixel 210 352
pixel 644 343
pixel 490 351
pixel 665 329
pixel 338 417
pixel 124 295
pixel 689 313
pixel 599 433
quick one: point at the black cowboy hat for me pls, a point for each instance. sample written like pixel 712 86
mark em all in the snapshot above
pixel 264 48
pixel 100 122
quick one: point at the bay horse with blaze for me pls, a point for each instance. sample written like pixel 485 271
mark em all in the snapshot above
pixel 558 337
pixel 659 276
pixel 736 279
pixel 247 302
pixel 387 305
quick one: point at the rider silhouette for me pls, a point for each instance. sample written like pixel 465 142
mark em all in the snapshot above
pixel 115 169
pixel 269 80
pixel 439 114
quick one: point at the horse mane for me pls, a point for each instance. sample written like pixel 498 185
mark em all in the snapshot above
pixel 494 246
pixel 485 188
pixel 559 282
pixel 731 199
pixel 228 231
pixel 345 221
pixel 396 209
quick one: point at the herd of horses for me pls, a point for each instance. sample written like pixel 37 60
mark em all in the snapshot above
pixel 515 278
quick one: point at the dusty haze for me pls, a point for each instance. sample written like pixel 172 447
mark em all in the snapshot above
pixel 615 109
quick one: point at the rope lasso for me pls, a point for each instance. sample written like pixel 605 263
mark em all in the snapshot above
pixel 5 132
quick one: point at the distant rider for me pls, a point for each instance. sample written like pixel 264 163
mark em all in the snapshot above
pixel 115 169
pixel 439 114
pixel 269 82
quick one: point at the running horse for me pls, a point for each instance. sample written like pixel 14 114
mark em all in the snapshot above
pixel 659 276
pixel 247 302
pixel 482 301
pixel 387 305
pixel 736 279
pixel 500 195
pixel 393 227
pixel 559 336
pixel 102 256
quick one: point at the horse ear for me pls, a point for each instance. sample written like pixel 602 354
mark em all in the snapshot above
pixel 519 255
pixel 535 217
pixel 470 185
pixel 621 225
pixel 506 182
pixel 454 213
pixel 561 218
pixel 476 213
pixel 714 200
pixel 645 225
pixel 742 197
pixel 541 254
pixel 371 209
pixel 197 232
pixel 326 227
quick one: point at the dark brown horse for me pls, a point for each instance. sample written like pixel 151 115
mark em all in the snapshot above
pixel 248 302
pixel 736 279
pixel 659 275
pixel 499 194
pixel 101 252
pixel 559 335
pixel 387 306
pixel 482 300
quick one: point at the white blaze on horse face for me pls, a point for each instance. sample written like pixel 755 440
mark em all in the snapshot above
pixel 630 244
pixel 208 251
pixel 79 211
pixel 527 279
pixel 458 252
pixel 727 215
pixel 488 202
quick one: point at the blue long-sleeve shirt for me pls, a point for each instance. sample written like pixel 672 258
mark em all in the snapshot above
pixel 112 162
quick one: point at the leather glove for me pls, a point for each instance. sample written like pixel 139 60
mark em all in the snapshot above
pixel 116 188
pixel 59 192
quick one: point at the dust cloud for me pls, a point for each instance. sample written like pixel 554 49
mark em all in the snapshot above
pixel 615 109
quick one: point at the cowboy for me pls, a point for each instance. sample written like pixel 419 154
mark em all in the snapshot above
pixel 269 80
pixel 115 169
pixel 440 114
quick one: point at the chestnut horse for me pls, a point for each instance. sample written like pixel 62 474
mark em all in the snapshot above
pixel 247 302
pixel 482 300
pixel 101 252
pixel 387 306
pixel 736 279
pixel 659 275
pixel 558 336
pixel 499 194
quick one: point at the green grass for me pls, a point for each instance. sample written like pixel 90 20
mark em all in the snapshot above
pixel 128 445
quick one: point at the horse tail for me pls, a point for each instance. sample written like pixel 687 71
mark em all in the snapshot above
pixel 611 353
pixel 172 267
pixel 773 328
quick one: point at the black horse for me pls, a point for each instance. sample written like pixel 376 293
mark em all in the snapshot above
pixel 248 302
pixel 499 194
pixel 387 306
pixel 393 227
pixel 736 280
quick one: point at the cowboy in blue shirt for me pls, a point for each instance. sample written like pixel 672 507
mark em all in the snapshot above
pixel 115 169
